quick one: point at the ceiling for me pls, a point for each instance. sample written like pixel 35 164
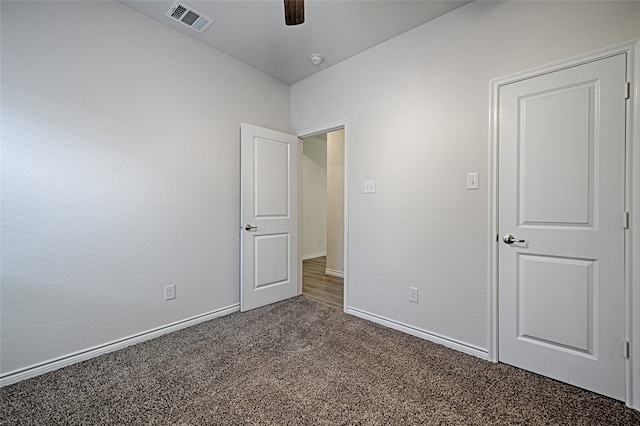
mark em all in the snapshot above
pixel 254 31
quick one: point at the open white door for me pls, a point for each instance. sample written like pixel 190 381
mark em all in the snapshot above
pixel 561 204
pixel 269 243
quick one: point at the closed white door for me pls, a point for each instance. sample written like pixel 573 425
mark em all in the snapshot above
pixel 561 198
pixel 269 253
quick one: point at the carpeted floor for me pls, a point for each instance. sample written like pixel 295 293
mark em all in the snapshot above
pixel 293 363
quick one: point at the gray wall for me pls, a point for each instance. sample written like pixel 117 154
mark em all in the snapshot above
pixel 335 202
pixel 120 175
pixel 418 120
pixel 314 196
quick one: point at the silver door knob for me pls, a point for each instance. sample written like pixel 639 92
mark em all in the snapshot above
pixel 510 239
pixel 250 228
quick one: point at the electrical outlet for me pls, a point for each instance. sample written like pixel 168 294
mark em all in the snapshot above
pixel 169 292
pixel 413 294
pixel 369 186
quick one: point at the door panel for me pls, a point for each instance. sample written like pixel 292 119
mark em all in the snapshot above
pixel 271 178
pixel 271 260
pixel 561 143
pixel 555 302
pixel 568 137
pixel 269 268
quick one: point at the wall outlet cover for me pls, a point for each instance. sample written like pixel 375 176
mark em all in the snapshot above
pixel 169 292
pixel 369 186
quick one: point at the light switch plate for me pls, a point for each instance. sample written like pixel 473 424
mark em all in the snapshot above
pixel 369 186
pixel 472 181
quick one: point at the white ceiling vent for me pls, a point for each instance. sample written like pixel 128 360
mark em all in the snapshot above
pixel 189 17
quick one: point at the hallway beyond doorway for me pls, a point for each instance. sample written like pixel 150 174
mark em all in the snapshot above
pixel 318 286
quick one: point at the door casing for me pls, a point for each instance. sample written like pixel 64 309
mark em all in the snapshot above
pixel 342 124
pixel 632 203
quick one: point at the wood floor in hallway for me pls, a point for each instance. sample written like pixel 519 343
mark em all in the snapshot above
pixel 318 286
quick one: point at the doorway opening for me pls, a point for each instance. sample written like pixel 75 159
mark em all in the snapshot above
pixel 323 217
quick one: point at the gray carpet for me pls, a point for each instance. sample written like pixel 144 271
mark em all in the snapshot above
pixel 299 362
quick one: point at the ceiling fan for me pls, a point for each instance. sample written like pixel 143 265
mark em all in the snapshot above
pixel 293 12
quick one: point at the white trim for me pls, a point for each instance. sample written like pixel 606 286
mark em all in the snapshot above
pixel 492 267
pixel 423 334
pixel 633 233
pixel 326 128
pixel 632 238
pixel 75 357
pixel 341 124
pixel 314 255
pixel 345 263
pixel 334 272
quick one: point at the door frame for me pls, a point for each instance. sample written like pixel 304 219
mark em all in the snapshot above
pixel 632 202
pixel 326 128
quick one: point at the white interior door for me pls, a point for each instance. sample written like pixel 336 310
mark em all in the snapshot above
pixel 561 190
pixel 269 251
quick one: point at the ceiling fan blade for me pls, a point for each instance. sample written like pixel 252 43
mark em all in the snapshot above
pixel 293 12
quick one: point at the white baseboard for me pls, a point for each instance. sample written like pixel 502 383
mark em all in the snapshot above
pixel 445 341
pixel 73 358
pixel 313 255
pixel 334 272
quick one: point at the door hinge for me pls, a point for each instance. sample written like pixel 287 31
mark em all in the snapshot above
pixel 626 350
pixel 625 220
pixel 627 89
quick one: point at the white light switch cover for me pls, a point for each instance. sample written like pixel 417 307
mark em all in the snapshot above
pixel 369 186
pixel 472 181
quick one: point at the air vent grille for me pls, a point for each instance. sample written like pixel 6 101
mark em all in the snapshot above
pixel 178 12
pixel 189 17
